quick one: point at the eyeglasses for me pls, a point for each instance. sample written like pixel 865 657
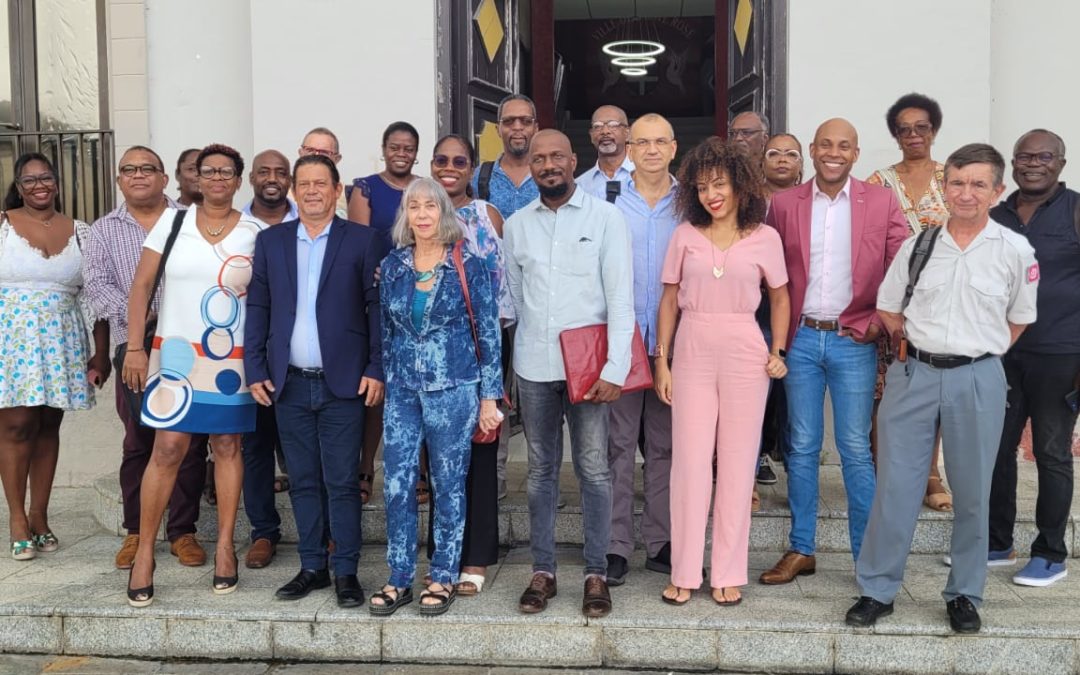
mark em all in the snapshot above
pixel 1034 157
pixel 209 172
pixel 524 120
pixel 129 170
pixel 442 161
pixel 46 179
pixel 917 129
pixel 610 125
pixel 660 143
pixel 774 154
pixel 308 150
pixel 744 133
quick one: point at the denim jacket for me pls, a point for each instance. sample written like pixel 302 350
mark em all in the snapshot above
pixel 442 353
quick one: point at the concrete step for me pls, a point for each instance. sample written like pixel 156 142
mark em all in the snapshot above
pixel 768 531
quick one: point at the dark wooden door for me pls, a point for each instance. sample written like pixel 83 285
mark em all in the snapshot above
pixel 478 66
pixel 756 58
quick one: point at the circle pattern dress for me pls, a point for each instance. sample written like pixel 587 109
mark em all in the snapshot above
pixel 196 378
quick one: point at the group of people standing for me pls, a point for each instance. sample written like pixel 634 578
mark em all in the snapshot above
pixel 321 319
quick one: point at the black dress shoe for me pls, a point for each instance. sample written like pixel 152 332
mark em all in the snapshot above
pixel 303 583
pixel 661 562
pixel 963 617
pixel 617 569
pixel 867 611
pixel 349 591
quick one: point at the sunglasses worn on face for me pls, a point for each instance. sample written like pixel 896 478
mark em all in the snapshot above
pixel 442 161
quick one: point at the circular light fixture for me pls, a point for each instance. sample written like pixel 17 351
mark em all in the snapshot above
pixel 633 61
pixel 650 48
pixel 634 72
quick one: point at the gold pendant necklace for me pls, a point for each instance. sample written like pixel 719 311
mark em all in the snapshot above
pixel 719 271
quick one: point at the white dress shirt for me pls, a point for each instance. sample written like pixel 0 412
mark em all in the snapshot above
pixel 828 286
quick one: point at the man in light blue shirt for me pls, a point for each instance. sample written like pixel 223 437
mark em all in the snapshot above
pixel 648 204
pixel 608 132
pixel 568 264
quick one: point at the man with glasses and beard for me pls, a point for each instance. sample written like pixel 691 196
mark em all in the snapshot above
pixel 270 182
pixel 609 132
pixel 507 182
pixel 568 264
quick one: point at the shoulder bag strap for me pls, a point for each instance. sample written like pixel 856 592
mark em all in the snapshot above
pixel 459 265
pixel 178 221
pixel 483 182
pixel 920 256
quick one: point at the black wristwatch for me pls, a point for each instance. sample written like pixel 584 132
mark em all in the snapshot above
pixel 782 353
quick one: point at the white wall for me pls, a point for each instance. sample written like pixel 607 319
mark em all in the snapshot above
pixel 353 67
pixel 853 59
pixel 1035 58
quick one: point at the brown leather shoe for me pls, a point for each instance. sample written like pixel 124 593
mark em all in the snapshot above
pixel 188 550
pixel 260 554
pixel 125 557
pixel 597 600
pixel 541 589
pixel 790 566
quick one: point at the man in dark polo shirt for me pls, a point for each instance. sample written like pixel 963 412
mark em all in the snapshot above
pixel 1043 367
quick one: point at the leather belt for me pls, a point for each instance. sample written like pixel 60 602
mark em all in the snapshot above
pixel 310 373
pixel 945 360
pixel 817 324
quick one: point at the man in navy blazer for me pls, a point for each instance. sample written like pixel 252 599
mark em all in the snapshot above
pixel 313 347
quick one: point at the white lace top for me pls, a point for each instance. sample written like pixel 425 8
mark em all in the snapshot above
pixel 23 266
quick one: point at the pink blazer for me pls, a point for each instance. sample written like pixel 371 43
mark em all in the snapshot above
pixel 878 228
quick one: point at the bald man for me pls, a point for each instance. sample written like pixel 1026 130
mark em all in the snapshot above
pixel 839 235
pixel 608 131
pixel 270 181
pixel 568 264
pixel 648 204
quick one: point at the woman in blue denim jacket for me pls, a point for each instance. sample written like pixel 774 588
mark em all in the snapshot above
pixel 436 390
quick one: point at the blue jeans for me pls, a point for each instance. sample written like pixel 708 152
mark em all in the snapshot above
pixel 321 437
pixel 543 407
pixel 818 360
pixel 444 421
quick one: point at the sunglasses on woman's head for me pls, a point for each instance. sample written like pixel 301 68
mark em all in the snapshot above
pixel 442 161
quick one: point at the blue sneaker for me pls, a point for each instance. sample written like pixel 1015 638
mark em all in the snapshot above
pixel 1040 572
pixel 1006 558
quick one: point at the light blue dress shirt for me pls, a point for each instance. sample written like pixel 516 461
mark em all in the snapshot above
pixel 650 232
pixel 304 350
pixel 293 213
pixel 595 181
pixel 566 269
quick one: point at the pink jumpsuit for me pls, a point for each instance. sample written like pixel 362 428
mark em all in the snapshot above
pixel 719 387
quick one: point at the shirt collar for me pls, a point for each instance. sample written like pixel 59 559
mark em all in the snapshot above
pixel 632 185
pixel 1012 199
pixel 576 200
pixel 301 232
pixel 626 168
pixel 293 213
pixel 122 212
pixel 845 191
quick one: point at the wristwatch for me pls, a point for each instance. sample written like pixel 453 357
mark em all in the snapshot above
pixel 661 351
pixel 782 353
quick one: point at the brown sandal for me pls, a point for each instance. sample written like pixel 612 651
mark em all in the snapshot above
pixel 721 601
pixel 678 591
pixel 937 499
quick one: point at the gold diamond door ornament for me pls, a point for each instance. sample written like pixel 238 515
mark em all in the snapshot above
pixel 743 15
pixel 488 142
pixel 491 29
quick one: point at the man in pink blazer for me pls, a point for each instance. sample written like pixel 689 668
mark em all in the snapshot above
pixel 839 235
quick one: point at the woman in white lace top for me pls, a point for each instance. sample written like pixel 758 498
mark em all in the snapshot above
pixel 47 363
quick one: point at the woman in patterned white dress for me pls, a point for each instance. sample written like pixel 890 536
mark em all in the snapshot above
pixel 47 364
pixel 193 379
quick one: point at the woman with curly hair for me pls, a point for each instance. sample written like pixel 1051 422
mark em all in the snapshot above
pixel 718 380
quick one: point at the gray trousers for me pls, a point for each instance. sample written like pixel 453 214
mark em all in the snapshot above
pixel 628 414
pixel 969 402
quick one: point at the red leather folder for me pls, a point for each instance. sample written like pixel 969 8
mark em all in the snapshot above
pixel 584 352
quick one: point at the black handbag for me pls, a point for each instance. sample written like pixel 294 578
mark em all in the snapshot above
pixel 132 398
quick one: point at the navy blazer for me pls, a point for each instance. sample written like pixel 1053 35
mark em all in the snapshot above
pixel 346 308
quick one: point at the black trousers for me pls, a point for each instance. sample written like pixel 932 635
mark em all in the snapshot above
pixel 480 543
pixel 1038 384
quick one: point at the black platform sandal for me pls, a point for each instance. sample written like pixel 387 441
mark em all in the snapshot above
pixel 445 597
pixel 140 597
pixel 390 603
pixel 226 585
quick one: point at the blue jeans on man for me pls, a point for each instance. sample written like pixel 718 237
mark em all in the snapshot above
pixel 820 360
pixel 321 435
pixel 543 407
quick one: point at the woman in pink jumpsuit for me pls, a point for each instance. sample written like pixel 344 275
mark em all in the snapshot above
pixel 718 380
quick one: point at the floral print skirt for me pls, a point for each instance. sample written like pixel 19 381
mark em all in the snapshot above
pixel 44 350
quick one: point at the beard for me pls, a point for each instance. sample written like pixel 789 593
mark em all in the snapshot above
pixel 518 151
pixel 554 191
pixel 273 202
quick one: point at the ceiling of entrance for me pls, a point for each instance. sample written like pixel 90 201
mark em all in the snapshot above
pixel 626 9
